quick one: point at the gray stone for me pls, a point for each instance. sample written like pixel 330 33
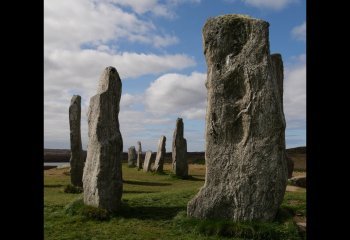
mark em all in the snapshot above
pixel 102 179
pixel 290 166
pixel 158 165
pixel 179 150
pixel 277 66
pixel 77 158
pixel 147 163
pixel 246 171
pixel 139 156
pixel 132 156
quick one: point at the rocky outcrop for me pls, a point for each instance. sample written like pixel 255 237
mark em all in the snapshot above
pixel 102 179
pixel 246 173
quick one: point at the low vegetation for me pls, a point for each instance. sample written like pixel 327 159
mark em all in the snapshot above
pixel 72 189
pixel 154 207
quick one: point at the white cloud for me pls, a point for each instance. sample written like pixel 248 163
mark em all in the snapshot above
pixel 299 32
pixel 68 24
pixel 164 41
pixel 81 38
pixel 295 94
pixel 269 4
pixel 195 113
pixel 157 7
pixel 177 94
pixel 77 68
pixel 144 6
pixel 127 100
pixel 177 2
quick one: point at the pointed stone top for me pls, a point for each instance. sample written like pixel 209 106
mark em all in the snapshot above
pixel 228 18
pixel 276 55
pixel 76 99
pixel 179 129
pixel 109 80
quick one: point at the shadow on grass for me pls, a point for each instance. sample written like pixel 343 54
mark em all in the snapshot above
pixel 160 173
pixel 126 210
pixel 145 183
pixel 188 178
pixel 148 212
pixel 127 191
pixel 53 186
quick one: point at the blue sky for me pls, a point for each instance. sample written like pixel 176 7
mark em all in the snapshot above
pixel 156 47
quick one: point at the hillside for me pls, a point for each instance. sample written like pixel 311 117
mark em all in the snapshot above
pixel 298 155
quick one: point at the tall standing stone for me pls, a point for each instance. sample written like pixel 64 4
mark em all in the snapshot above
pixel 139 156
pixel 246 173
pixel 77 158
pixel 147 163
pixel 290 166
pixel 179 150
pixel 132 156
pixel 103 185
pixel 158 165
pixel 277 65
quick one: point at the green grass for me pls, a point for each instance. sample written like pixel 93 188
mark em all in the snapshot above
pixel 153 207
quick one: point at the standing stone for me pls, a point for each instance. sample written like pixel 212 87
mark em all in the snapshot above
pixel 103 185
pixel 290 165
pixel 77 158
pixel 179 151
pixel 246 173
pixel 147 162
pixel 132 156
pixel 158 166
pixel 277 65
pixel 139 155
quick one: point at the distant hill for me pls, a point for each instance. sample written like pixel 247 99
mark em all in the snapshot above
pixel 298 155
pixel 298 150
pixel 63 155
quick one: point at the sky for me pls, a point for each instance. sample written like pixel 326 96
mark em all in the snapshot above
pixel 156 47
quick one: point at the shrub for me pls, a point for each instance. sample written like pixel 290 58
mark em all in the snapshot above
pixel 95 213
pixel 73 189
pixel 78 207
pixel 74 207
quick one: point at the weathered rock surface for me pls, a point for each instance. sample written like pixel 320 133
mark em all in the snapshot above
pixel 246 170
pixel 179 150
pixel 139 156
pixel 102 179
pixel 77 156
pixel 277 65
pixel 290 166
pixel 132 156
pixel 147 163
pixel 158 165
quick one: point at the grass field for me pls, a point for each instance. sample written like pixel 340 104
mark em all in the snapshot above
pixel 154 207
